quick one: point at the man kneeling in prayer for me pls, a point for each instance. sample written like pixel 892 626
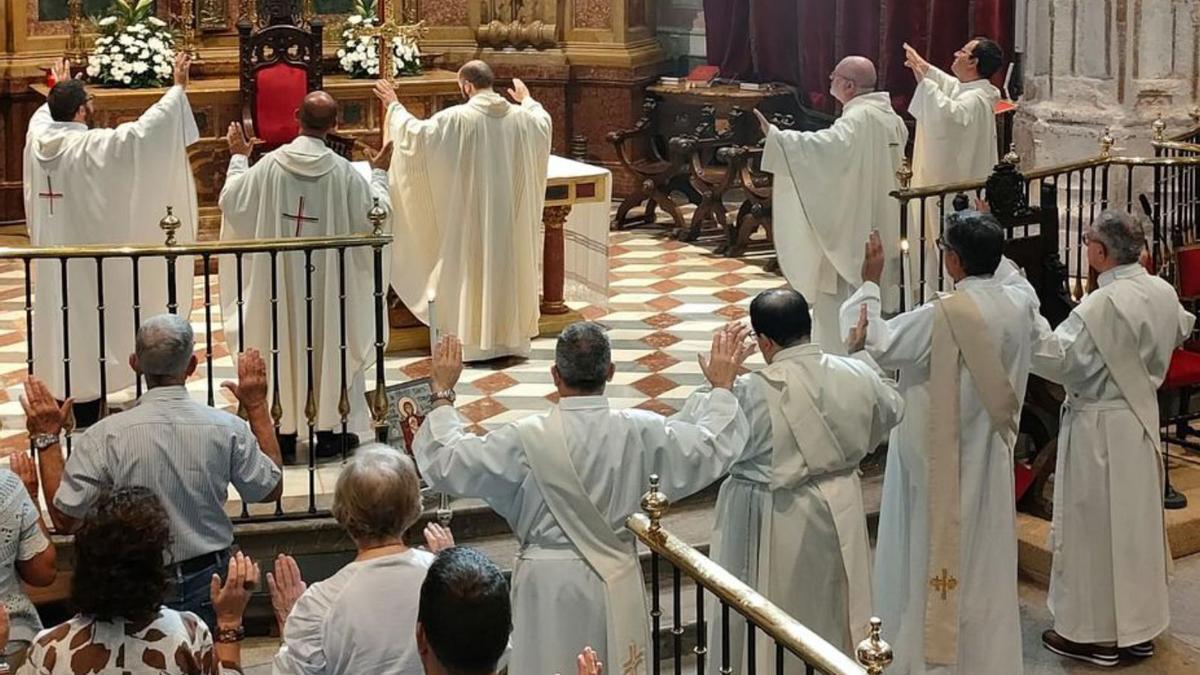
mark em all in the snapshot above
pixel 566 481
pixel 790 520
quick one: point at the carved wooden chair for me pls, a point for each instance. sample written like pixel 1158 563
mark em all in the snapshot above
pixel 755 211
pixel 711 173
pixel 659 174
pixel 279 64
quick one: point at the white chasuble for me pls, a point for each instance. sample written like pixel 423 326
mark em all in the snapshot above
pixel 112 187
pixel 832 187
pixel 987 624
pixel 955 142
pixel 468 185
pixel 303 189
pixel 1108 582
pixel 560 601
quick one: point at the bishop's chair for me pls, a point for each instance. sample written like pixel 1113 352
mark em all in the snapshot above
pixel 279 64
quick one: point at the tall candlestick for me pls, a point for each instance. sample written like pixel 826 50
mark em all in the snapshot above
pixel 433 334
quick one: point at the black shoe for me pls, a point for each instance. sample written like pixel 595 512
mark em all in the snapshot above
pixel 287 447
pixel 1142 650
pixel 87 413
pixel 1098 655
pixel 329 444
pixel 1174 499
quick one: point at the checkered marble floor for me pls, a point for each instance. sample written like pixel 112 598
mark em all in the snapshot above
pixel 666 298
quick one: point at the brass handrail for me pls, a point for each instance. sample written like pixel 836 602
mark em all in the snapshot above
pixel 1176 145
pixel 910 194
pixel 769 619
pixel 210 248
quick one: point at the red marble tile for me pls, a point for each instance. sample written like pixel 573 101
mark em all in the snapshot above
pixel 614 250
pixel 671 257
pixel 667 272
pixel 657 361
pixel 654 385
pixel 731 295
pixel 664 304
pixel 730 279
pixel 592 312
pixel 660 407
pixel 667 286
pixel 726 264
pixel 671 244
pixel 482 409
pixel 732 312
pixel 660 340
pixel 661 321
pixel 494 383
pixel 418 369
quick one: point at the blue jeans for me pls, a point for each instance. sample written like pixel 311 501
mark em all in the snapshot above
pixel 191 592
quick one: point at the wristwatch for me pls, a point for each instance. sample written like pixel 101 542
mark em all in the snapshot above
pixel 447 396
pixel 43 441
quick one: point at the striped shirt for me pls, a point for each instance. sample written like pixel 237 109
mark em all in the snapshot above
pixel 185 452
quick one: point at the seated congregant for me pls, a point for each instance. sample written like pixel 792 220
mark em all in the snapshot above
pixel 362 619
pixel 118 589
pixel 304 189
pixel 566 480
pixel 183 450
pixel 29 556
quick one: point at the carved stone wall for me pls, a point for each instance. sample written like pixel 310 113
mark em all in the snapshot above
pixel 1092 64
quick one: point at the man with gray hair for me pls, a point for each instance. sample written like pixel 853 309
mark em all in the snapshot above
pixel 566 480
pixel 1108 583
pixel 831 187
pixel 184 451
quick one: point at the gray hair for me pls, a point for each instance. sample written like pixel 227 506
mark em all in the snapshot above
pixel 378 494
pixel 164 346
pixel 583 356
pixel 1122 234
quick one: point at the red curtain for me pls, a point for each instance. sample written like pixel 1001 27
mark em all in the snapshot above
pixel 800 41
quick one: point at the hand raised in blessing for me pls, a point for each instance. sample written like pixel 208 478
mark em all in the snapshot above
pixel 856 339
pixel 447 363
pixel 915 62
pixel 43 414
pixel 519 92
pixel 230 598
pixel 183 65
pixel 60 70
pixel 386 93
pixel 251 388
pixel 763 123
pixel 730 349
pixel 21 463
pixel 589 663
pixel 238 143
pixel 381 160
pixel 438 538
pixel 286 587
pixel 873 260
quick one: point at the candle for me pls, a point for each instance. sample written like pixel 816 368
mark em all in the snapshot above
pixel 433 333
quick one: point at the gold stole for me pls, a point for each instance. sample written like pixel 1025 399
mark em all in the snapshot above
pixel 959 331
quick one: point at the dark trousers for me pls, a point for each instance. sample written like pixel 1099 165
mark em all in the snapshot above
pixel 191 587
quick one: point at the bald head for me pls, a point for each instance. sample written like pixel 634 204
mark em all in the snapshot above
pixel 475 76
pixel 853 76
pixel 318 114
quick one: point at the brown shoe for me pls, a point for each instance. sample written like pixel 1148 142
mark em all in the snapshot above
pixel 1098 655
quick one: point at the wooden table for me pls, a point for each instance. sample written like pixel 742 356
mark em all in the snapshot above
pixel 218 101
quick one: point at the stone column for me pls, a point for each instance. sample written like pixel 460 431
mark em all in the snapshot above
pixel 1092 64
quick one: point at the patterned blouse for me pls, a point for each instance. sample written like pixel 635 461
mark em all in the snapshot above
pixel 174 643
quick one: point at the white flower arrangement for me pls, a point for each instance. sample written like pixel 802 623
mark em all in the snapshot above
pixel 134 48
pixel 359 55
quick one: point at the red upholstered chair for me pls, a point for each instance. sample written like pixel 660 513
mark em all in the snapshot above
pixel 279 64
pixel 1183 375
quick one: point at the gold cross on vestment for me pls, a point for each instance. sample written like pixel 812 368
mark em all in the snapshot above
pixel 635 664
pixel 943 584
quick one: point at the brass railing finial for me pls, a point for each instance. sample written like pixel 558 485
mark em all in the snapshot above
pixel 873 653
pixel 1106 143
pixel 655 504
pixel 377 215
pixel 170 224
pixel 1160 129
pixel 1011 157
pixel 905 174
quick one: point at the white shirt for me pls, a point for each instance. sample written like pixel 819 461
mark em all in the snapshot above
pixel 361 620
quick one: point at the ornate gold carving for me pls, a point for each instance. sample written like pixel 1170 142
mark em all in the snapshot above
pixel 213 15
pixel 518 24
pixel 75 50
pixel 943 584
pixel 187 21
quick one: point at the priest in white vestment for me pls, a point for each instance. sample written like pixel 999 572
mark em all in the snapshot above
pixel 1108 583
pixel 469 184
pixel 955 142
pixel 110 187
pixel 566 481
pixel 305 189
pixel 831 187
pixel 946 554
pixel 790 520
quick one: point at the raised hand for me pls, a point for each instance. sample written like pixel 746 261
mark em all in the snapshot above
pixel 22 464
pixel 730 349
pixel 438 538
pixel 251 388
pixel 589 663
pixel 915 62
pixel 238 143
pixel 519 92
pixel 286 587
pixel 230 598
pixel 386 93
pixel 447 363
pixel 856 339
pixel 873 260
pixel 60 70
pixel 43 415
pixel 183 65
pixel 381 160
pixel 763 123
